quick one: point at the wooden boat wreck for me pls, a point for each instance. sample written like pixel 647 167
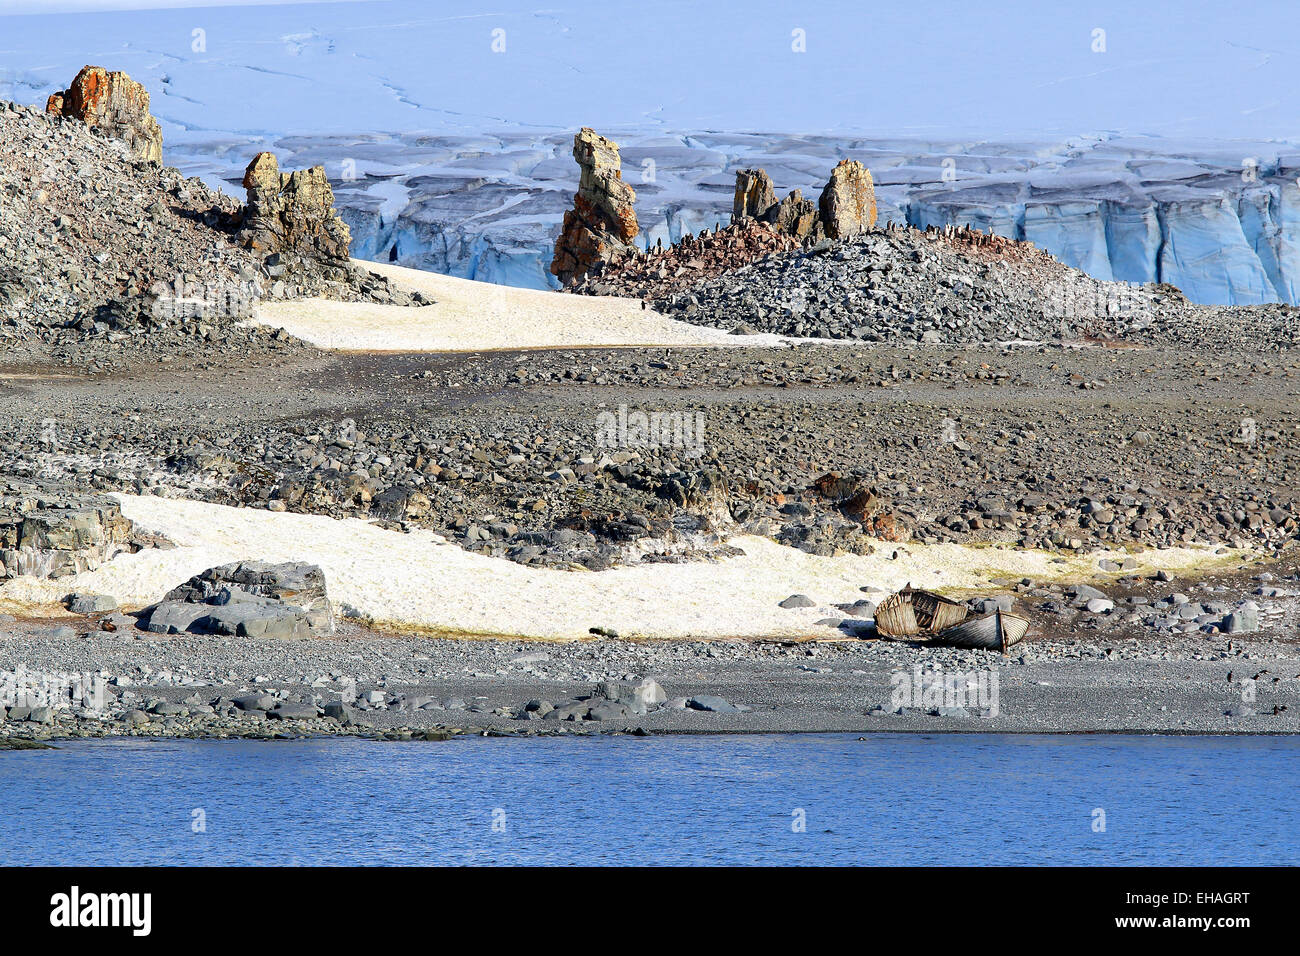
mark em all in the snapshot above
pixel 997 631
pixel 925 616
pixel 912 612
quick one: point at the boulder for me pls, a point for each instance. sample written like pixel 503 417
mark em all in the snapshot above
pixel 795 216
pixel 50 538
pixel 291 710
pixel 171 617
pixel 602 224
pixel 608 710
pixel 294 583
pixel 848 203
pixel 636 699
pixel 337 710
pixel 240 614
pixel 115 103
pixel 80 602
pixel 754 195
pixel 1244 620
pixel 246 599
pixel 292 214
pixel 255 702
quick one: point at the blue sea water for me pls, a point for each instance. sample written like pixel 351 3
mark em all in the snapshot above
pixel 770 799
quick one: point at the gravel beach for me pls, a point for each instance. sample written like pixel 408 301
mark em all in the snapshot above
pixel 1138 654
pixel 1112 463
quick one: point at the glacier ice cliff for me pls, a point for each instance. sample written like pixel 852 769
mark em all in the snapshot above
pixel 1220 221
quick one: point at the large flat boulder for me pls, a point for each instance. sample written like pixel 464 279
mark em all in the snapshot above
pixel 246 599
pixel 293 583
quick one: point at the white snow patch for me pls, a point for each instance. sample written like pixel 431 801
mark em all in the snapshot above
pixel 421 582
pixel 474 316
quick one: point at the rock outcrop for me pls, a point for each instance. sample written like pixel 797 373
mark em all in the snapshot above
pixel 754 195
pixel 848 203
pixel 601 226
pixel 246 599
pixel 54 538
pixel 116 104
pixel 796 217
pixel 292 582
pixel 292 214
pixel 847 206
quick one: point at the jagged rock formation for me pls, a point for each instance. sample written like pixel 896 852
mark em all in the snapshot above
pixel 116 104
pixel 52 538
pixel 601 226
pixel 292 214
pixel 793 216
pixel 796 217
pixel 754 194
pixel 848 203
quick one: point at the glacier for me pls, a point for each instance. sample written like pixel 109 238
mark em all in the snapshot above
pixel 446 129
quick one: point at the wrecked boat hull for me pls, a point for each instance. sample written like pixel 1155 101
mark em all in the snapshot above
pixel 914 613
pixel 992 632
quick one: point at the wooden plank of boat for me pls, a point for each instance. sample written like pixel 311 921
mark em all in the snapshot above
pixel 896 617
pixel 917 614
pixel 934 612
pixel 992 632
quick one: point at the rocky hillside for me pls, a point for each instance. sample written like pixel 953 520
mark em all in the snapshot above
pixel 98 241
pixel 952 286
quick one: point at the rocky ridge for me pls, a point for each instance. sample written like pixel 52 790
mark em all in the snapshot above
pixel 956 286
pixel 96 242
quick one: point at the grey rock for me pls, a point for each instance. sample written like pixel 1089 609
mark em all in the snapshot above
pixel 336 710
pixel 608 710
pixel 292 710
pixel 85 603
pixel 255 702
pixel 1244 620
pixel 292 584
